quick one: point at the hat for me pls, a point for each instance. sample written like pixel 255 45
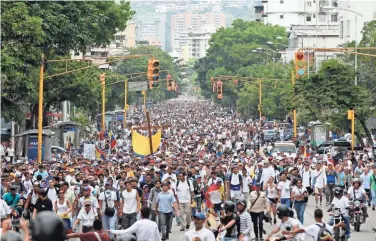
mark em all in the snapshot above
pixel 87 202
pixel 290 169
pixel 86 189
pixel 198 176
pixel 107 183
pixel 200 216
pixel 18 175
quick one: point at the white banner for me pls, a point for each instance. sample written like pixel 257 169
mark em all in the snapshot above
pixel 89 151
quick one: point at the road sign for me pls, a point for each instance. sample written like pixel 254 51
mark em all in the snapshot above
pixel 138 86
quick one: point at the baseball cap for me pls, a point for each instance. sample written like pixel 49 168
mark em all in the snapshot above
pixel 86 188
pixel 200 216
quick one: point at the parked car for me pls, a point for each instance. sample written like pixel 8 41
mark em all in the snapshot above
pixel 286 147
pixel 57 150
pixel 270 135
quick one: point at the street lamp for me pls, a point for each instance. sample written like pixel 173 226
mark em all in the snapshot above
pixel 356 34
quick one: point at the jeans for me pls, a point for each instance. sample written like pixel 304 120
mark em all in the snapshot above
pixel 329 193
pixel 346 219
pixel 109 223
pixel 229 239
pixel 164 224
pixel 373 200
pixel 86 229
pixel 368 192
pixel 257 220
pixel 198 201
pixel 153 215
pixel 128 220
pixel 286 201
pixel 300 208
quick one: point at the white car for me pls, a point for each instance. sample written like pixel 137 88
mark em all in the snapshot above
pixel 285 147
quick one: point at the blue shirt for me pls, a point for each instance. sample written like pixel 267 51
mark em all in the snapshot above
pixel 366 180
pixel 11 200
pixel 165 201
pixel 341 178
pixel 44 174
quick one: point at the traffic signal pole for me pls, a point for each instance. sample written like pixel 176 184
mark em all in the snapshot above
pixel 40 110
pixel 125 103
pixel 260 102
pixel 294 110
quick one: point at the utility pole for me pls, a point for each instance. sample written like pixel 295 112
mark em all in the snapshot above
pixel 125 103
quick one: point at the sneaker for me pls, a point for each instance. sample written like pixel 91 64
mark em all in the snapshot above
pixel 275 221
pixel 163 237
pixel 373 208
pixel 317 206
pixel 320 204
pixel 187 227
pixel 182 229
pixel 327 204
pixel 177 224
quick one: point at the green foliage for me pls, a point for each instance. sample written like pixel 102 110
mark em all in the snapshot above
pixel 328 96
pixel 139 65
pixel 54 29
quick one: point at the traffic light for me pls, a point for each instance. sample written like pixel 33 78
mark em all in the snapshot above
pixel 300 65
pixel 153 72
pixel 102 78
pixel 173 86
pixel 169 82
pixel 219 90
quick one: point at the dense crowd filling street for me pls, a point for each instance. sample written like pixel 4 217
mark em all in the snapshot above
pixel 213 177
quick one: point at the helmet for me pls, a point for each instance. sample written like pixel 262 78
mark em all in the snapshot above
pixel 48 226
pixel 229 206
pixel 338 191
pixel 283 211
pixel 357 180
pixel 243 202
pixel 291 213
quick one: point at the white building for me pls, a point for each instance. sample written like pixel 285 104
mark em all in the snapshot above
pixel 198 43
pixel 317 23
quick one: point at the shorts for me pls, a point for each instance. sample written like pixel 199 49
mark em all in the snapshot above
pixel 317 190
pixel 234 193
pixel 273 200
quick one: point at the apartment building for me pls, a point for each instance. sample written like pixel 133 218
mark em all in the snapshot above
pixel 152 28
pixel 184 23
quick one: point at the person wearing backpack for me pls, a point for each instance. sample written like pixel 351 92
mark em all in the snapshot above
pixel 331 180
pixel 235 183
pixel 184 191
pixel 319 231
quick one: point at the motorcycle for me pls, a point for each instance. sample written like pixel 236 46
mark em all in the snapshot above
pixel 356 215
pixel 339 233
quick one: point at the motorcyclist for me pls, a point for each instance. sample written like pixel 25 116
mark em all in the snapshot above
pixel 357 192
pixel 287 223
pixel 342 202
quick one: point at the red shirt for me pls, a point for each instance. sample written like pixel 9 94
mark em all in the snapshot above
pixel 91 236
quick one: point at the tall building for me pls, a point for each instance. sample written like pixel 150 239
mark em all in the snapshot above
pixel 198 43
pixel 184 23
pixel 151 28
pixel 316 23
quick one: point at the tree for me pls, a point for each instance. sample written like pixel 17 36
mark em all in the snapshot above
pixel 328 95
pixel 54 29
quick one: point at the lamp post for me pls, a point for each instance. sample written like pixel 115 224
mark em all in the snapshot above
pixel 356 34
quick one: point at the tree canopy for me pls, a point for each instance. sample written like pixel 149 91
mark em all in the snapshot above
pixel 55 29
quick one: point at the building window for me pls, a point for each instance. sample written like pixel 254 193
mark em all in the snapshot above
pixel 348 28
pixel 309 18
pixel 281 16
pixel 309 4
pixel 281 1
pixel 334 18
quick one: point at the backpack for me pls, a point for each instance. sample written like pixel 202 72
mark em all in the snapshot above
pixel 189 184
pixel 323 233
pixel 57 190
pixel 240 179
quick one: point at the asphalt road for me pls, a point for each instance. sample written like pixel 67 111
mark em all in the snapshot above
pixel 365 233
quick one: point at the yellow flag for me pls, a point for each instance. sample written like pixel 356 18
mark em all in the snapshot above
pixel 141 144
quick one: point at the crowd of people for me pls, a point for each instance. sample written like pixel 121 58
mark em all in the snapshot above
pixel 214 169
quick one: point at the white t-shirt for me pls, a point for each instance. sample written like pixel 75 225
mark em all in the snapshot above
pixel 204 235
pixel 130 201
pixel 358 192
pixel 313 230
pixel 298 191
pixel 52 194
pixel 246 181
pixel 111 198
pixel 285 188
pixel 342 203
pixel 183 191
pixel 289 225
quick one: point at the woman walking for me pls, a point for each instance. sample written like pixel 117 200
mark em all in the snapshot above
pixel 299 196
pixel 271 192
pixel 63 208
